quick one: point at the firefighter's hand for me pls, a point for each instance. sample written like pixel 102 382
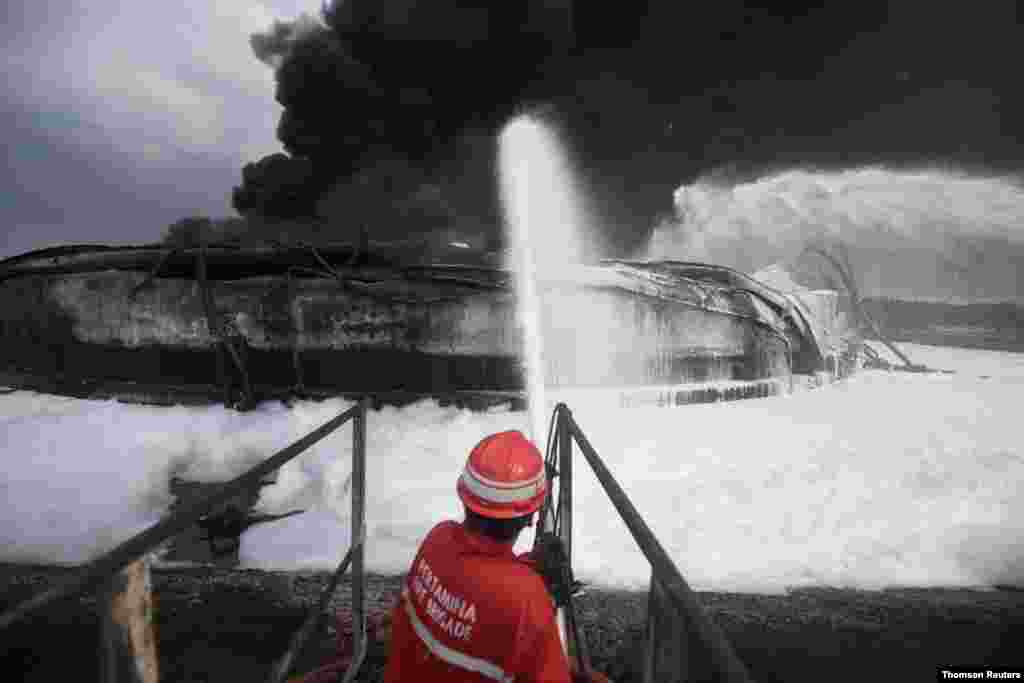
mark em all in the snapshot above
pixel 380 627
pixel 551 563
pixel 592 677
pixel 529 557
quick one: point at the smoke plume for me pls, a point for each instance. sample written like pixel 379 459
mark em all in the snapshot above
pixel 379 97
pixel 391 109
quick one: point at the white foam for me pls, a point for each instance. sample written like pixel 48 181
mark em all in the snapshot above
pixel 887 479
pixel 313 540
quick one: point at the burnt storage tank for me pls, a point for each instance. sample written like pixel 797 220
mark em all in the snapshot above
pixel 148 323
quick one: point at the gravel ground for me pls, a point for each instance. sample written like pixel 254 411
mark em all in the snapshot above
pixel 219 624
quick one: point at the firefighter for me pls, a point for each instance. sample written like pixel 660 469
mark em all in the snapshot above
pixel 470 609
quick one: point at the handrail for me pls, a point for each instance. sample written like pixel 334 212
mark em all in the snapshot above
pixel 664 570
pixel 101 568
pixel 353 556
pixel 309 625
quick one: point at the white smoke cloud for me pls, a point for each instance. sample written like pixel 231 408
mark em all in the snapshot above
pixel 926 234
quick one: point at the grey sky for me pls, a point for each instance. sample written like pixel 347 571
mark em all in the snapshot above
pixel 119 118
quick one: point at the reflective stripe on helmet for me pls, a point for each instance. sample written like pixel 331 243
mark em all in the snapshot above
pixel 447 654
pixel 495 484
pixel 492 492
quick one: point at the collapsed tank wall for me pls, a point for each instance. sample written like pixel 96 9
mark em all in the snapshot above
pixel 832 320
pixel 418 337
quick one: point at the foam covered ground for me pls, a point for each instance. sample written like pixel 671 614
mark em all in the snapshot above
pixel 885 479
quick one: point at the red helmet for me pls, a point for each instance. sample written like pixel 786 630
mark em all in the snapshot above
pixel 503 477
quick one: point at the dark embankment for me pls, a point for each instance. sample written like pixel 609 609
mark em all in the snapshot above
pixel 225 624
pixel 992 326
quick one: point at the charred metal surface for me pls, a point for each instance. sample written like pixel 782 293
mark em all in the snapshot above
pixel 363 371
pixel 97 309
pixel 231 262
pixel 326 316
pixel 350 344
pixel 387 329
pixel 211 539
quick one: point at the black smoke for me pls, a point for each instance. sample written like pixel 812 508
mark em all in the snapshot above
pixel 391 108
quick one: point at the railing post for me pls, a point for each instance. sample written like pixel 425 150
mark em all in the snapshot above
pixel 281 668
pixel 358 539
pixel 667 653
pixel 313 619
pixel 576 644
pixel 565 483
pixel 651 633
pixel 127 641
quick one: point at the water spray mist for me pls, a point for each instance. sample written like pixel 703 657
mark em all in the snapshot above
pixel 545 224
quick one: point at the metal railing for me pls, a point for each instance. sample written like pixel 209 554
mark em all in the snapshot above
pixel 103 569
pixel 682 643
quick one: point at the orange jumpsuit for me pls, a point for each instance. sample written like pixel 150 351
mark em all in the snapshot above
pixel 471 611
